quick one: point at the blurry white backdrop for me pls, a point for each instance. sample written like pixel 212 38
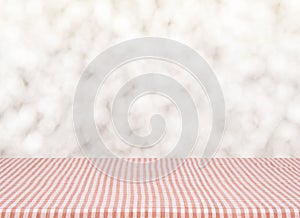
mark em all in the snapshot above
pixel 253 47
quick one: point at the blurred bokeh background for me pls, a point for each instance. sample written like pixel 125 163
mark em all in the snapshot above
pixel 252 46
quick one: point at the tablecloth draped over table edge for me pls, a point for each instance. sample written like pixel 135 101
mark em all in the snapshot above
pixel 225 187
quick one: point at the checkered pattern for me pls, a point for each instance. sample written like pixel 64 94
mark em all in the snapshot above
pixel 224 188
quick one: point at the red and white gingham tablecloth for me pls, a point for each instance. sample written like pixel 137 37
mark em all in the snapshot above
pixel 224 188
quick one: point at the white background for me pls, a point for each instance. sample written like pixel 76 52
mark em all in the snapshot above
pixel 253 47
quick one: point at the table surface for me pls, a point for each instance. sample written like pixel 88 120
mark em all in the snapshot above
pixel 72 187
